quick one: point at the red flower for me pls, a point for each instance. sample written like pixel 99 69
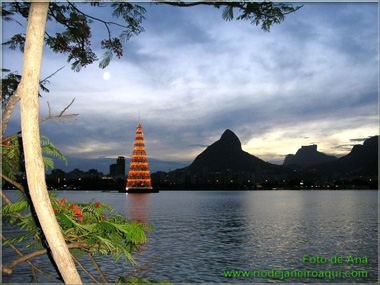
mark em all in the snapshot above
pixel 75 207
pixel 56 201
pixel 97 204
pixel 69 207
pixel 63 201
pixel 78 212
pixel 55 210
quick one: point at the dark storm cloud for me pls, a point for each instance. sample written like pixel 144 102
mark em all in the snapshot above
pixel 344 147
pixel 199 145
pixel 359 139
pixel 193 75
pixel 180 25
pixel 177 31
pixel 351 39
pixel 91 136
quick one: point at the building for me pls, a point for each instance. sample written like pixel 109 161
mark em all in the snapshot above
pixel 113 170
pixel 118 170
pixel 120 166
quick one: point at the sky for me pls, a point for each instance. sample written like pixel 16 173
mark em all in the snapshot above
pixel 313 79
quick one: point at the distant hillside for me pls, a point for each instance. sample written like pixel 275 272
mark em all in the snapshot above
pixel 226 154
pixel 225 166
pixel 103 164
pixel 362 160
pixel 307 156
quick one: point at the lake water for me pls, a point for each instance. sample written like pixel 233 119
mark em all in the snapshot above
pixel 199 235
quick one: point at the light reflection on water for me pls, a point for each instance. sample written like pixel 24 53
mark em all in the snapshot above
pixel 137 207
pixel 198 235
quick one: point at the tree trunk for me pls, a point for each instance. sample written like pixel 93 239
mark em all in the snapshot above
pixel 28 91
pixel 8 111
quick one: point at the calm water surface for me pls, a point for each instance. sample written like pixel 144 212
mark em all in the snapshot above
pixel 199 235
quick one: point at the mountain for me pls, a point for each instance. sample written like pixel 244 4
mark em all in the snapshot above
pixel 224 155
pixel 362 160
pixel 307 156
pixel 103 164
pixel 224 165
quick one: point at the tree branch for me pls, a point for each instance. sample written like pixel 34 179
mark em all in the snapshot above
pixel 18 185
pixel 141 268
pixel 34 273
pixel 85 270
pixel 34 164
pixel 51 75
pixel 189 4
pixel 98 268
pixel 265 13
pixel 13 100
pixel 61 115
pixel 6 200
pixel 217 4
pixel 8 267
pixel 67 107
pixel 97 19
pixel 50 117
pixel 34 267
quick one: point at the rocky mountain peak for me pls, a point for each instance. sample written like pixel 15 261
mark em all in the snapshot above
pixel 230 141
pixel 307 156
pixel 308 148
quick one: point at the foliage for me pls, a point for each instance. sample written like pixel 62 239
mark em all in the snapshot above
pixel 10 81
pixel 91 227
pixel 48 148
pixel 88 228
pixel 11 149
pixel 9 217
pixel 263 14
pixel 75 38
pixel 85 226
pixel 88 224
pixel 13 157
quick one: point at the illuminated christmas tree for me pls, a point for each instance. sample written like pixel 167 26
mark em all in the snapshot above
pixel 139 175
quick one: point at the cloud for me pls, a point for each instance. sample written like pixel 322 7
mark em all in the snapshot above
pixel 199 145
pixel 191 76
pixel 359 139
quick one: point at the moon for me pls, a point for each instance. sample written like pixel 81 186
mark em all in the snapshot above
pixel 106 75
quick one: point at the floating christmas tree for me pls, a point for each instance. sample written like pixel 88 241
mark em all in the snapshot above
pixel 139 176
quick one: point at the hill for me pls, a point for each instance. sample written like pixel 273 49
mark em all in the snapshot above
pixel 226 154
pixel 361 161
pixel 307 156
pixel 225 165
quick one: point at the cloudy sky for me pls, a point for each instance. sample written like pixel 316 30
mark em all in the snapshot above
pixel 191 75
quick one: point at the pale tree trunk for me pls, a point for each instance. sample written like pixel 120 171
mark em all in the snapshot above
pixel 28 91
pixel 8 111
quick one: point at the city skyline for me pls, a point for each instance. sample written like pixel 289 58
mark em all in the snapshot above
pixel 191 75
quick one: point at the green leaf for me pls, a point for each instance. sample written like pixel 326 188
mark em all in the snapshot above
pixel 106 59
pixel 63 219
pixel 106 227
pixel 19 238
pixel 50 149
pixel 228 13
pixel 15 208
pixel 48 162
